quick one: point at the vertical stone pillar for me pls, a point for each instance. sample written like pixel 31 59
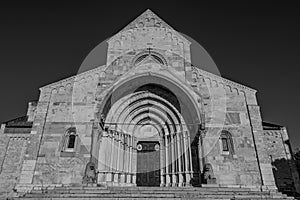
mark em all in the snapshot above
pixel 95 143
pixel 111 153
pixel 36 136
pixel 162 162
pixel 200 151
pixel 129 174
pixel 172 149
pixel 180 171
pixel 134 161
pixel 186 159
pixel 264 161
pixel 190 154
pixel 118 147
pixel 103 159
pixel 124 162
pixel 168 174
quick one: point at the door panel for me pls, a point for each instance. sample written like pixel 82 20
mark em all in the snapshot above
pixel 148 165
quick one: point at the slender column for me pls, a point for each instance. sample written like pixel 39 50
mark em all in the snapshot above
pixel 168 178
pixel 186 158
pixel 134 161
pixel 190 154
pixel 180 171
pixel 103 162
pixel 174 181
pixel 116 176
pixel 162 162
pixel 123 159
pixel 129 153
pixel 111 157
pixel 182 149
pixel 200 154
pixel 176 158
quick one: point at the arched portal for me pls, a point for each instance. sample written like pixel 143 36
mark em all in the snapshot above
pixel 147 134
pixel 186 104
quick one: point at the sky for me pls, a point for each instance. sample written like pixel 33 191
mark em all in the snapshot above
pixel 252 43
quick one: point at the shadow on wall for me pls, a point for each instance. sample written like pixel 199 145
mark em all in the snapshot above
pixel 297 160
pixel 284 174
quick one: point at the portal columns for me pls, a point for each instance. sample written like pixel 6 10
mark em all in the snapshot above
pixel 180 171
pixel 168 170
pixel 117 164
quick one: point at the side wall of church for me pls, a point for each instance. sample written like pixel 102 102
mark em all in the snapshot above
pixel 264 160
pixel 13 143
pixel 240 166
pixel 70 104
pixel 251 161
pixel 284 168
pixel 12 150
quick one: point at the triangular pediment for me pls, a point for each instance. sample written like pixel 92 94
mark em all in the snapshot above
pixel 149 19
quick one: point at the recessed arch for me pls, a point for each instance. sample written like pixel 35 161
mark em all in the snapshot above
pixel 189 107
pixel 150 99
pixel 134 105
pixel 151 53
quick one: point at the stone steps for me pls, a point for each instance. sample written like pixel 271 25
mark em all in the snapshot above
pixel 93 193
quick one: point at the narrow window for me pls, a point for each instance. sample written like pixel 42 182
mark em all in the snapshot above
pixel 226 143
pixel 71 142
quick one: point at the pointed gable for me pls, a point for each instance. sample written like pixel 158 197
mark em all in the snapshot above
pixel 148 31
pixel 149 19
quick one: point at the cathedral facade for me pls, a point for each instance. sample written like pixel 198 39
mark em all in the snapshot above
pixel 148 117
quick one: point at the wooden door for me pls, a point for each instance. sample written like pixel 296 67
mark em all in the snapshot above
pixel 148 165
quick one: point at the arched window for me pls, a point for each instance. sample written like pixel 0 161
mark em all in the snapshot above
pixel 226 143
pixel 70 140
pixel 151 54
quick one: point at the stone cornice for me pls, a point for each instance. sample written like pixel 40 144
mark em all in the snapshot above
pixel 221 80
pixel 70 79
pixel 142 22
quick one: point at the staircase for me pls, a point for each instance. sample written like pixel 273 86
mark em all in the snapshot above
pixel 93 193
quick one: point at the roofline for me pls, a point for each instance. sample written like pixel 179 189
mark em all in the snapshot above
pixel 271 123
pixel 226 80
pixel 148 10
pixel 71 77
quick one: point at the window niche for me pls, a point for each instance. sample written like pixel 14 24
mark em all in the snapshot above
pixel 69 143
pixel 226 143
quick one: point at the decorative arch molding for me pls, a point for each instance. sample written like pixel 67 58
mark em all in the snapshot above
pixel 149 53
pixel 129 108
pixel 131 103
pixel 215 81
pixel 191 109
pixel 122 133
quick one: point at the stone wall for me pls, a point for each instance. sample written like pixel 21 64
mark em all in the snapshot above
pixel 12 150
pixel 148 45
pixel 278 148
pixel 226 109
pixel 70 105
pixel 14 139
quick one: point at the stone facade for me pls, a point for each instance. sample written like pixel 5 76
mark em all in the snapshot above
pixel 85 129
pixel 278 147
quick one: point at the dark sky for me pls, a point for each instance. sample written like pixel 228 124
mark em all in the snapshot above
pixel 252 43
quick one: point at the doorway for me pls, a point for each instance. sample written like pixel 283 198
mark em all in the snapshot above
pixel 148 164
